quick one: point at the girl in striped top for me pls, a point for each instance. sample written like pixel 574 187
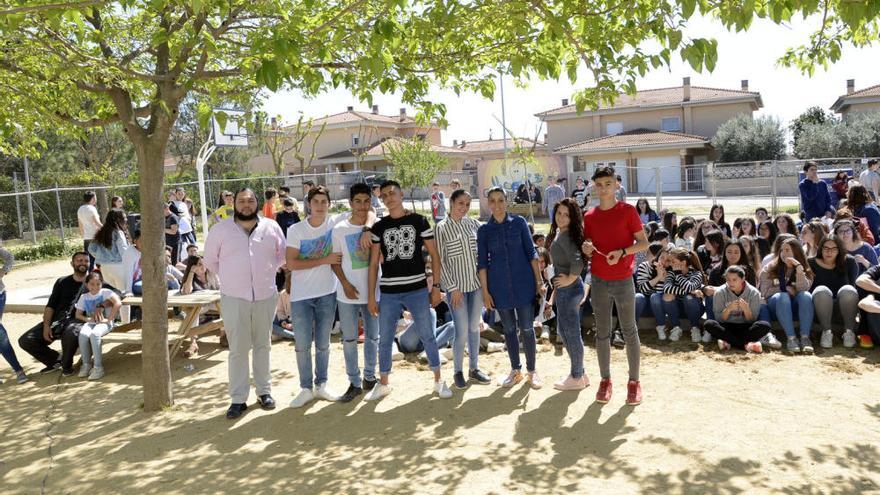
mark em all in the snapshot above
pixel 681 291
pixel 456 237
pixel 650 277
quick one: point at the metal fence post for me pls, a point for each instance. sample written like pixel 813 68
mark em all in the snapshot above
pixel 60 215
pixel 713 182
pixel 773 199
pixel 30 200
pixel 17 205
pixel 659 186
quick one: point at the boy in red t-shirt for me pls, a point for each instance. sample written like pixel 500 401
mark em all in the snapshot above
pixel 613 235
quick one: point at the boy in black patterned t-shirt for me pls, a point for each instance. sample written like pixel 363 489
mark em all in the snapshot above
pixel 399 238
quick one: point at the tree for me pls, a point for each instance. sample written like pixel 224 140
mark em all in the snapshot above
pixel 414 164
pixel 811 116
pixel 744 139
pixel 856 136
pixel 92 63
pixel 281 141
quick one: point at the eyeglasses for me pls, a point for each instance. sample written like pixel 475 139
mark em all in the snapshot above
pixel 844 231
pixel 829 249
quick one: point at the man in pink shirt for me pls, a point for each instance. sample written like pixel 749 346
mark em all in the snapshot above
pixel 246 251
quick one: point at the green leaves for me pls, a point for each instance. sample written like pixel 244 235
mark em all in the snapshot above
pixel 701 52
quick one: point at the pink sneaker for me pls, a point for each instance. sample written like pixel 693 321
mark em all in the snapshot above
pixel 723 345
pixel 571 383
pixel 633 393
pixel 754 347
pixel 603 395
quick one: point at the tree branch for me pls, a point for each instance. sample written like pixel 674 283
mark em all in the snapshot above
pixel 26 9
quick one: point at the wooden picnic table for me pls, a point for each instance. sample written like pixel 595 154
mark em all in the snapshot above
pixel 191 304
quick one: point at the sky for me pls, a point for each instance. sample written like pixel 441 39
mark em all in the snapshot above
pixel 751 55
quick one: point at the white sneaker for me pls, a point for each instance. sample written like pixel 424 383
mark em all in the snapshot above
pixel 336 330
pixel 545 334
pixel 707 337
pixel 827 339
pixel 322 393
pixel 84 370
pixel 849 338
pixel 493 347
pixel 675 334
pixel 447 353
pixel 396 355
pixel 378 392
pixel 97 373
pixel 695 335
pixel 304 397
pixel 770 340
pixel 423 357
pixel 661 332
pixel 442 390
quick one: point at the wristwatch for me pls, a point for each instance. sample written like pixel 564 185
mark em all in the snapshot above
pixel 365 229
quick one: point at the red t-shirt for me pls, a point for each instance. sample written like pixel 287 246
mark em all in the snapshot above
pixel 611 230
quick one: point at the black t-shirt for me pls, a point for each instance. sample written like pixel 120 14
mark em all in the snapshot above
pixel 64 294
pixel 401 240
pixel 285 220
pixel 171 239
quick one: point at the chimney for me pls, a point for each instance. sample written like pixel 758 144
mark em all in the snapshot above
pixel 546 137
pixel 745 84
pixel 274 124
pixel 850 86
pixel 463 142
pixel 565 102
pixel 375 109
pixel 402 114
pixel 455 143
pixel 349 109
pixel 686 89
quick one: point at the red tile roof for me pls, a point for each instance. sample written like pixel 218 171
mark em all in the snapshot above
pixel 493 145
pixel 377 149
pixel 638 138
pixel 846 100
pixel 663 96
pixel 356 117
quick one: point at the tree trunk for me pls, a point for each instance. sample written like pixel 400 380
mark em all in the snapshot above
pixel 103 200
pixel 156 365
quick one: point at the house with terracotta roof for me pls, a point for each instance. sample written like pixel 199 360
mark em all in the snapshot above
pixel 863 100
pixel 355 140
pixel 656 138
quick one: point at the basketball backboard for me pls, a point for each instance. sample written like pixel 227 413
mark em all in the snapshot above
pixel 234 133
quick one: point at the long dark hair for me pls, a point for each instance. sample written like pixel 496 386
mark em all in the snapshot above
pixel 575 225
pixel 668 224
pixel 721 223
pixel 857 197
pixel 682 254
pixel 114 221
pixel 742 260
pixel 797 250
pixel 791 226
pixel 648 209
pixel 191 262
pixel 771 225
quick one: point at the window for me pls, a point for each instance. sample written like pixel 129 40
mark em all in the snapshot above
pixel 612 128
pixel 355 140
pixel 672 124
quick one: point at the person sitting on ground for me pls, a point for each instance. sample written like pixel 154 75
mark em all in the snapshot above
pixel 767 233
pixel 650 277
pixel 56 318
pixel 173 276
pixel 737 304
pixel 90 309
pixel 734 254
pixel 408 340
pixel 785 285
pixel 681 291
pixel 834 284
pixel 869 284
pixel 750 247
pixel 711 251
pixel 861 205
pixel 522 194
pixel 840 185
pixel 670 221
pixel 812 234
pixel 785 224
pixel 861 251
pixel 282 328
pixel 646 213
pixel 686 234
pixel 774 249
pixel 716 214
pixel 864 232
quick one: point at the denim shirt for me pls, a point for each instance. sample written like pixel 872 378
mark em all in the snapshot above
pixel 111 255
pixel 506 251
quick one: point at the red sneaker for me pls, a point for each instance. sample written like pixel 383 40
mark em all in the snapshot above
pixel 865 341
pixel 603 395
pixel 361 336
pixel 633 393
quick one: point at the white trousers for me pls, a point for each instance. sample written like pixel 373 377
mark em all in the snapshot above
pixel 248 327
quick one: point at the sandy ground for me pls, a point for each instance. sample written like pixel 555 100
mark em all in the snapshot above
pixel 710 423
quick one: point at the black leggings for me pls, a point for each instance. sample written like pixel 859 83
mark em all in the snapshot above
pixel 737 334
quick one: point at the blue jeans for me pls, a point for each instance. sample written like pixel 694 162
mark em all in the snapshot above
pixel 783 307
pixel 348 322
pixel 710 310
pixel 568 324
pixel 409 340
pixel 137 288
pixel 391 306
pixel 5 346
pixel 520 318
pixel 312 322
pixel 650 306
pixel 280 331
pixel 467 328
pixel 692 307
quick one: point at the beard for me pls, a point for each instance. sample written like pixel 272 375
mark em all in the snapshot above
pixel 245 218
pixel 81 269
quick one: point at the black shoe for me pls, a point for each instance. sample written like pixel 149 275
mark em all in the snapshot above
pixel 459 380
pixel 266 402
pixel 369 384
pixel 351 393
pixel 49 369
pixel 69 372
pixel 235 410
pixel 617 340
pixel 478 376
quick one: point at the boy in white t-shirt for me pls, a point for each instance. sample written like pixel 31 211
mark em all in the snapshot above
pixel 351 292
pixel 89 222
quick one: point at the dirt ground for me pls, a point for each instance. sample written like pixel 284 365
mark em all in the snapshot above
pixel 710 423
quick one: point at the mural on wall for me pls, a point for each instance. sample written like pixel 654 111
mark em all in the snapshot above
pixel 513 173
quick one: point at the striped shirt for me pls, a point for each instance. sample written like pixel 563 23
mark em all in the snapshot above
pixel 682 284
pixel 457 243
pixel 644 274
